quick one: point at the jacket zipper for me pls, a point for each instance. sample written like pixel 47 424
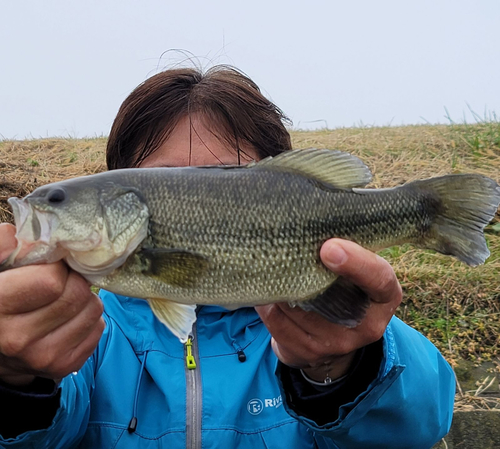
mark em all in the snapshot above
pixel 193 393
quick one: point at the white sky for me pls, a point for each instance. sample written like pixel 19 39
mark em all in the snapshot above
pixel 66 66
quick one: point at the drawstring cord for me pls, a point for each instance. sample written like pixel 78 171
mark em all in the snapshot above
pixel 132 426
pixel 242 357
pixel 133 422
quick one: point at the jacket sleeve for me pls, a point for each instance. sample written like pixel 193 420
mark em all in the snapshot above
pixel 409 403
pixel 70 421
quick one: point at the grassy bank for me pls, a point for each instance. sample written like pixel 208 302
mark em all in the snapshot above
pixel 454 305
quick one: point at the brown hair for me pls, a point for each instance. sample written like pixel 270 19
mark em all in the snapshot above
pixel 224 98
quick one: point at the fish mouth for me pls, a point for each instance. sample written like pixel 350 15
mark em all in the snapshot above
pixel 33 233
pixel 32 225
pixel 21 211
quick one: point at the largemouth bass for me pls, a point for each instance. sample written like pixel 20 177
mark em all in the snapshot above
pixel 250 235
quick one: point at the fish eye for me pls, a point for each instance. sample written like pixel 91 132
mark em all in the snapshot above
pixel 56 196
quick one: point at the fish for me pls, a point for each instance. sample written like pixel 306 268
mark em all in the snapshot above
pixel 239 236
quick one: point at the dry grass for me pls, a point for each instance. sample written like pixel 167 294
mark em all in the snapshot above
pixel 481 398
pixel 25 165
pixel 457 307
pixel 400 154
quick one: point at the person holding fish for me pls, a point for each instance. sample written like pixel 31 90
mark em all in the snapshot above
pixel 236 310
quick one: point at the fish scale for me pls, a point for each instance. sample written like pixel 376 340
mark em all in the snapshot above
pixel 235 241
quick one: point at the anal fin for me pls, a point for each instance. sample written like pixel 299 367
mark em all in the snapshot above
pixel 342 303
pixel 179 318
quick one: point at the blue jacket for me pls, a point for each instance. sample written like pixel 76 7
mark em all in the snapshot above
pixel 139 370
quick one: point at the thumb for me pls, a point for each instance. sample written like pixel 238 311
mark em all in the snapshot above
pixel 8 241
pixel 363 268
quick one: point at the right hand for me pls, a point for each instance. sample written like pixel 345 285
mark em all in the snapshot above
pixel 50 321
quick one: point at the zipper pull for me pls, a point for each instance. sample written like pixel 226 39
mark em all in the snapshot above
pixel 190 361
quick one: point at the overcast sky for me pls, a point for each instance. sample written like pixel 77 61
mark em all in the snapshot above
pixel 66 66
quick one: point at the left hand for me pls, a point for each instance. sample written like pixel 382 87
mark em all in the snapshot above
pixel 306 340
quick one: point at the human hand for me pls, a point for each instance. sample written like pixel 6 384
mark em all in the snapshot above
pixel 306 340
pixel 50 321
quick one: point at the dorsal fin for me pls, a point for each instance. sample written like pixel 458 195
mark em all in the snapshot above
pixel 334 167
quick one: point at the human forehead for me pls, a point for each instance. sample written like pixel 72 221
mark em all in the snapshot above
pixel 192 143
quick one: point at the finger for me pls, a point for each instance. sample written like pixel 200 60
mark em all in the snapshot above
pixel 315 325
pixel 278 325
pixel 75 297
pixel 292 344
pixel 57 365
pixel 29 288
pixel 67 348
pixel 364 268
pixel 331 339
pixel 76 330
pixel 373 326
pixel 44 320
pixel 8 240
pixel 288 359
pixel 86 348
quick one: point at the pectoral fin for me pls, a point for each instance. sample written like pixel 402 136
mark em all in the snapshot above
pixel 177 267
pixel 179 318
pixel 342 303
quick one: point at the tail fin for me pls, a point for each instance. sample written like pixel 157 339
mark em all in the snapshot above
pixel 466 204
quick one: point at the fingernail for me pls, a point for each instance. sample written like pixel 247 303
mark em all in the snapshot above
pixel 335 256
